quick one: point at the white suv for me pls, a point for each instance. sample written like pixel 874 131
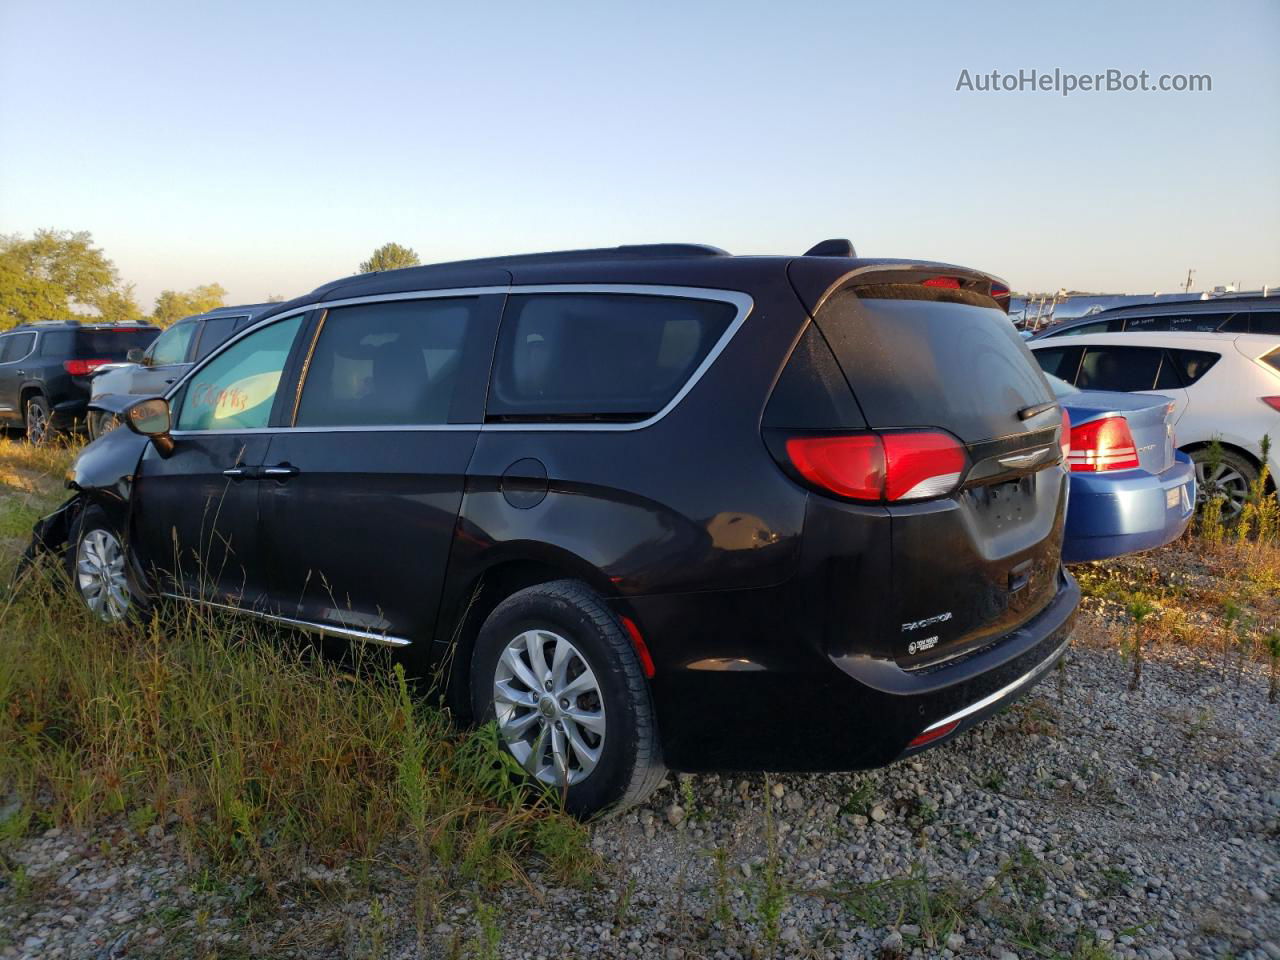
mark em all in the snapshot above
pixel 1224 387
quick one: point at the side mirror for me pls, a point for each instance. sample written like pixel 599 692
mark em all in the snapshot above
pixel 150 418
pixel 134 355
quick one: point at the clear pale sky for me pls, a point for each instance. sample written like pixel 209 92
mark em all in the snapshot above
pixel 271 146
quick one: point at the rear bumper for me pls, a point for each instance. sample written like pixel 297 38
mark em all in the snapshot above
pixel 1129 512
pixel 815 713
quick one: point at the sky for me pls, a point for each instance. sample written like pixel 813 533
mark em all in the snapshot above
pixel 270 147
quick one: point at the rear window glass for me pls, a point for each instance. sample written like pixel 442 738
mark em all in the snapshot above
pixel 1191 365
pixel 106 344
pixel 1119 368
pixel 590 356
pixel 919 363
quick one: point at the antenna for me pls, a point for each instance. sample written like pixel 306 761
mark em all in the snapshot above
pixel 1187 287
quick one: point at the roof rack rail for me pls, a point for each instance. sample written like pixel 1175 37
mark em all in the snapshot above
pixel 832 248
pixel 638 251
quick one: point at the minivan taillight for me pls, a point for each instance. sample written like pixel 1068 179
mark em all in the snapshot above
pixel 904 465
pixel 80 368
pixel 1102 445
pixel 1272 402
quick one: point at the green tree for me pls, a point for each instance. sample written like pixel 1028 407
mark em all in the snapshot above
pixel 58 275
pixel 390 256
pixel 173 305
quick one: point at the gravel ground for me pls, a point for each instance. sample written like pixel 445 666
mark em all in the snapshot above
pixel 1087 821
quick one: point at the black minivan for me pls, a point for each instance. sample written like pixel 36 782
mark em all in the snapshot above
pixel 647 507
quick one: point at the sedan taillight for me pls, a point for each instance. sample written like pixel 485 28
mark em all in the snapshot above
pixel 1103 445
pixel 897 466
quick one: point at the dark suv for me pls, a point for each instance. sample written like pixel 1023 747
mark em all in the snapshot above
pixel 644 506
pixel 168 357
pixel 45 370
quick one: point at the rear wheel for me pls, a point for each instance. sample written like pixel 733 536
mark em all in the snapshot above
pixel 98 566
pixel 1229 478
pixel 557 672
pixel 39 420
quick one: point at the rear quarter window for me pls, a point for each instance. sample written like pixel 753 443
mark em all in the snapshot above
pixel 1191 365
pixel 592 356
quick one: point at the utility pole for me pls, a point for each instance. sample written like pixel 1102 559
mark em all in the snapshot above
pixel 1187 286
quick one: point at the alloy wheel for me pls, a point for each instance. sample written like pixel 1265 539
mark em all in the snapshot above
pixel 100 575
pixel 37 423
pixel 549 707
pixel 1225 482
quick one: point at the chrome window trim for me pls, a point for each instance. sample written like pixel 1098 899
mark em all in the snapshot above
pixel 310 626
pixel 1005 691
pixel 35 342
pixel 742 301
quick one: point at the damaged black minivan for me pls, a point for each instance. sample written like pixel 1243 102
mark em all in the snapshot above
pixel 654 507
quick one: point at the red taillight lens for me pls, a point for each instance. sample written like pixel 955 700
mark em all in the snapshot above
pixel 849 466
pixel 919 465
pixel 950 283
pixel 1065 438
pixel 910 465
pixel 1272 402
pixel 79 368
pixel 1102 445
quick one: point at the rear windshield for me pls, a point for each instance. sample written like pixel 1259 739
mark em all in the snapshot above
pixel 105 344
pixel 592 356
pixel 921 363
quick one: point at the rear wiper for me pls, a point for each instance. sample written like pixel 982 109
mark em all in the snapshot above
pixel 1026 413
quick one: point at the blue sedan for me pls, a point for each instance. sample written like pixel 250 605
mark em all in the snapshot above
pixel 1131 488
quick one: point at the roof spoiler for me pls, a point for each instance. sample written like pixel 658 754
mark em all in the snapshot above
pixel 831 248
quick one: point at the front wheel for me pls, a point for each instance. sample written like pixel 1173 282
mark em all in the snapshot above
pixel 557 672
pixel 99 567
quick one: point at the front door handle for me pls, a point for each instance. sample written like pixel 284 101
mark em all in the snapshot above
pixel 281 471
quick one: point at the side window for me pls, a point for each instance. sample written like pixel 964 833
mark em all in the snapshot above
pixel 1100 327
pixel 1265 321
pixel 57 343
pixel 214 334
pixel 235 390
pixel 171 346
pixel 599 357
pixel 1119 368
pixel 1191 365
pixel 1061 362
pixel 1167 378
pixel 1145 324
pixel 386 363
pixel 16 346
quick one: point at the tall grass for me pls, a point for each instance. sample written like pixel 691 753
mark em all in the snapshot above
pixel 262 754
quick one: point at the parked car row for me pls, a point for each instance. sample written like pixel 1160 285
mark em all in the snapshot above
pixel 640 504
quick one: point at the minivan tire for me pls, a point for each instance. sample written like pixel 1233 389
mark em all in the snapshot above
pixel 97 561
pixel 629 765
pixel 38 420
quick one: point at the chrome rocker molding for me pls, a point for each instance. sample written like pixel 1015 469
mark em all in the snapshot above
pixel 1029 677
pixel 325 629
